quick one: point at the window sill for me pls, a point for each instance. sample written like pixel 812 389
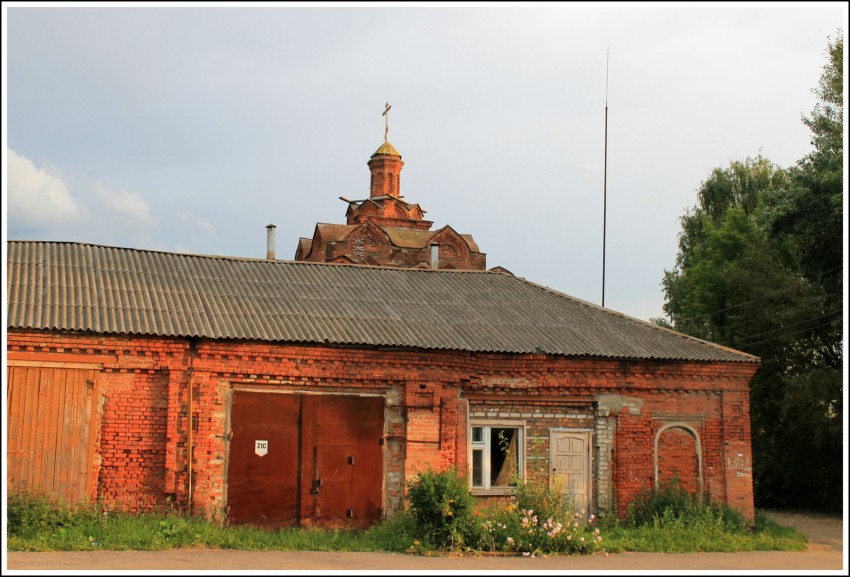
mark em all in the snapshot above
pixel 493 491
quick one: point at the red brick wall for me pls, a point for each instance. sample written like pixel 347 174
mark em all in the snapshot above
pixel 677 459
pixel 143 423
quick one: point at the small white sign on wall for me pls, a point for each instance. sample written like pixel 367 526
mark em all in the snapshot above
pixel 261 447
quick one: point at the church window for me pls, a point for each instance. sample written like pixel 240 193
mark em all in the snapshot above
pixel 496 456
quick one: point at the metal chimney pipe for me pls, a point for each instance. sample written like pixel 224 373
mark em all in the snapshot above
pixel 270 244
pixel 435 255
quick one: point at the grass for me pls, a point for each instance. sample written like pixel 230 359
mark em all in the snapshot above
pixel 674 535
pixel 36 525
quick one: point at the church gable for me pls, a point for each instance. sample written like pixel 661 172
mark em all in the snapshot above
pixel 305 245
pixel 366 244
pixel 453 250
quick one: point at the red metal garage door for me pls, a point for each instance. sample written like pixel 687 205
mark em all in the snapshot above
pixel 263 471
pixel 305 459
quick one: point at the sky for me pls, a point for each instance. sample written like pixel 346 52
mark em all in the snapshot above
pixel 190 128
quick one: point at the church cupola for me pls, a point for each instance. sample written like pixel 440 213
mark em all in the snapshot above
pixel 385 166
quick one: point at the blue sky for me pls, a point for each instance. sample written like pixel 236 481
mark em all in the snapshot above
pixel 191 128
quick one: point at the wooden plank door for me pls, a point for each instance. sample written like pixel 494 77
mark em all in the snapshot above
pixel 49 431
pixel 570 464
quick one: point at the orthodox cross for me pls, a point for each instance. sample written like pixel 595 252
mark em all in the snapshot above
pixel 385 113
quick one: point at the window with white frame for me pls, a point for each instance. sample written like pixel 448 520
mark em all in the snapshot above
pixel 496 455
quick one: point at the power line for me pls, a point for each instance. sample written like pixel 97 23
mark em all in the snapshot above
pixel 738 305
pixel 740 341
pixel 752 344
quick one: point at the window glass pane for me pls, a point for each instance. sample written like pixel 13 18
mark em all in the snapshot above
pixel 477 468
pixel 504 456
pixel 477 434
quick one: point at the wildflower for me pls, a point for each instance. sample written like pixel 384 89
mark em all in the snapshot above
pixel 510 540
pixel 596 532
pixel 569 537
pixel 582 539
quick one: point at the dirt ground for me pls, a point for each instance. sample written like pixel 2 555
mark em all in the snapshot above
pixel 824 554
pixel 822 531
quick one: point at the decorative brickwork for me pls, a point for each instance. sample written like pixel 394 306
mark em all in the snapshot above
pixel 678 458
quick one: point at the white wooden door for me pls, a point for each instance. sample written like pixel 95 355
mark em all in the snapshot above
pixel 570 465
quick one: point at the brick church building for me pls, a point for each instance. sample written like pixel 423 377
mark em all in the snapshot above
pixel 386 230
pixel 308 392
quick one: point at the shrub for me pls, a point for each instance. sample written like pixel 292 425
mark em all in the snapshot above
pixel 673 504
pixel 539 520
pixel 545 501
pixel 650 504
pixel 442 505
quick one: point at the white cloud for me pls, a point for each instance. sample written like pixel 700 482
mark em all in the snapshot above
pixel 36 198
pixel 197 222
pixel 123 204
pixel 42 206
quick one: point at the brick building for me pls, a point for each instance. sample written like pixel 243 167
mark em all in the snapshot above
pixel 283 392
pixel 386 230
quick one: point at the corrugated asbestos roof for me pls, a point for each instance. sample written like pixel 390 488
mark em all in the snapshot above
pixel 83 287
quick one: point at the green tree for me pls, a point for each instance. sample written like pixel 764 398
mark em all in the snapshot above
pixel 759 269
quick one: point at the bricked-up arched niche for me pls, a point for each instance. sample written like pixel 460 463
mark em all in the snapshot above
pixel 678 454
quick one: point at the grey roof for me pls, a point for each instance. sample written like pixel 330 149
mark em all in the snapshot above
pixel 84 287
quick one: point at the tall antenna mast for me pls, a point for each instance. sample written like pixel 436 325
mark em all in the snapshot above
pixel 605 181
